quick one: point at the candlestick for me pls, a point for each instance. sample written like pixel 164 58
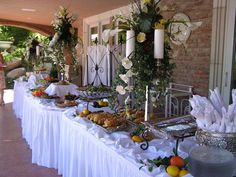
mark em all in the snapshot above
pixel 159 44
pixel 146 116
pixel 37 50
pixel 130 43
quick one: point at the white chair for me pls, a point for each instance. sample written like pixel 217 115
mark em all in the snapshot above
pixel 176 100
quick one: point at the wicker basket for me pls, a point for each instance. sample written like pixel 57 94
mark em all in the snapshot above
pixel 222 140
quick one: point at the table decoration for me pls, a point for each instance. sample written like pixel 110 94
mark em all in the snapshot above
pixel 175 165
pixel 141 67
pixel 64 42
pixel 215 120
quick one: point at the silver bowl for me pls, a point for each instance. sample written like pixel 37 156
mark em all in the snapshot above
pixel 222 140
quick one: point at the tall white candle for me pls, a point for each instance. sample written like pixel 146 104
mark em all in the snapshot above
pixel 146 116
pixel 130 42
pixel 37 50
pixel 159 43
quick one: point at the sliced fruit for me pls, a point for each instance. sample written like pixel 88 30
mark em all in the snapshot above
pixel 137 138
pixel 183 173
pixel 177 161
pixel 172 170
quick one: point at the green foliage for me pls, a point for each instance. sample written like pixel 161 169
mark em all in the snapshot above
pixel 144 19
pixel 18 35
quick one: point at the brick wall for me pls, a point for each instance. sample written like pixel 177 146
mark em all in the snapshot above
pixel 193 63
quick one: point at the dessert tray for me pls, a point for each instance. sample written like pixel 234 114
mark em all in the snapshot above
pixel 107 121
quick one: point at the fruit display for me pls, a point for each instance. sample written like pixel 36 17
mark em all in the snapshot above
pixel 175 165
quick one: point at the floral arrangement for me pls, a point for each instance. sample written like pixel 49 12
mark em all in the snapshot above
pixel 141 66
pixel 64 41
pixel 65 33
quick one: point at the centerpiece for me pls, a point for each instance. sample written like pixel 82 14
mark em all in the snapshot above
pixel 147 61
pixel 64 42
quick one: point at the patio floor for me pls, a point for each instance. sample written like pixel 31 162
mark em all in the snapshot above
pixel 15 155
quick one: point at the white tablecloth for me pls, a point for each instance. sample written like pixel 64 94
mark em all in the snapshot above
pixel 41 129
pixel 61 90
pixel 20 88
pixel 86 150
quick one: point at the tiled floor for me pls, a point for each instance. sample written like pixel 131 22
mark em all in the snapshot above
pixel 15 155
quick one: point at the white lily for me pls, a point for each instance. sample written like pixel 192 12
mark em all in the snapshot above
pixel 130 73
pixel 106 35
pixel 124 78
pixel 126 63
pixel 120 89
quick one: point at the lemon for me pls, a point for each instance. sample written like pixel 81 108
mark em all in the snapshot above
pixel 137 138
pixel 172 170
pixel 85 111
pixel 183 172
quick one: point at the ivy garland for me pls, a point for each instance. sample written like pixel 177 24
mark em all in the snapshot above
pixel 144 18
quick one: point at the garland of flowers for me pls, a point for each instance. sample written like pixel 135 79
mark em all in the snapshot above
pixel 144 19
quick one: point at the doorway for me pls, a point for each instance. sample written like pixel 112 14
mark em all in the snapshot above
pixel 229 70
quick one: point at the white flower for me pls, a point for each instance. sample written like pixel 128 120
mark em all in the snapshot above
pixel 129 88
pixel 115 31
pixel 126 63
pixel 130 73
pixel 124 78
pixel 120 89
pixel 106 35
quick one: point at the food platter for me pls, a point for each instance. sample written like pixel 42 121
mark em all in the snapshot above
pixel 64 104
pixel 92 92
pixel 107 121
pixel 179 127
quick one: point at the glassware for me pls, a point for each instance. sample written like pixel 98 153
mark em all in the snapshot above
pixel 211 162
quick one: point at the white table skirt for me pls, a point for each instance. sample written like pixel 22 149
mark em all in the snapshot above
pixel 20 89
pixel 41 129
pixel 85 150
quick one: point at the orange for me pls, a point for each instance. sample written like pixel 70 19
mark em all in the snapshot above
pixel 177 161
pixel 172 170
pixel 183 172
pixel 81 114
pixel 137 138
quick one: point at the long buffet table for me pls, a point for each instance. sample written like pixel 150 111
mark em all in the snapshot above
pixel 77 148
